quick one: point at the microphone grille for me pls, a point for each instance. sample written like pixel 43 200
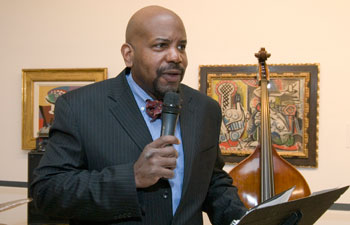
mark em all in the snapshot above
pixel 171 101
pixel 171 98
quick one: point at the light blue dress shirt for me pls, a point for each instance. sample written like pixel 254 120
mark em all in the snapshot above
pixel 155 129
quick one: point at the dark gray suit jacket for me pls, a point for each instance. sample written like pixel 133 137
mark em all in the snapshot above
pixel 86 174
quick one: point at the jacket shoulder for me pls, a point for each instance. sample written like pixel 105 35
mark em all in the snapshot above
pixel 96 90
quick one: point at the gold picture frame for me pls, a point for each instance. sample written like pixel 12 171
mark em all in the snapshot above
pixel 293 109
pixel 45 85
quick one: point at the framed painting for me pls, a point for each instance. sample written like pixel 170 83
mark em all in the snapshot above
pixel 293 98
pixel 41 88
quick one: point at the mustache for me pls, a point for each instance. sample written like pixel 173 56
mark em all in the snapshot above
pixel 171 66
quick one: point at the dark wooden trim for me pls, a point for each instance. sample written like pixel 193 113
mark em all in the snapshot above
pixel 6 183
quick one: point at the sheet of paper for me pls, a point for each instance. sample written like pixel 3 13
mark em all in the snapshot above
pixel 280 198
pixel 277 199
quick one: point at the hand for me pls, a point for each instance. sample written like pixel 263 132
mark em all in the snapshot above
pixel 157 160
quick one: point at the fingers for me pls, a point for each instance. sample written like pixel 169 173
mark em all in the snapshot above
pixel 164 141
pixel 157 160
pixel 167 173
pixel 168 163
pixel 147 173
pixel 167 151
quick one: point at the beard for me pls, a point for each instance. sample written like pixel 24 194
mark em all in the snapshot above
pixel 159 90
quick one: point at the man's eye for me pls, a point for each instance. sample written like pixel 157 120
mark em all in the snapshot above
pixel 160 45
pixel 181 47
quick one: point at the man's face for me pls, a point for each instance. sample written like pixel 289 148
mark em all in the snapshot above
pixel 159 58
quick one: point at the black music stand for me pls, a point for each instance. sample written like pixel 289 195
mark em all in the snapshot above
pixel 304 211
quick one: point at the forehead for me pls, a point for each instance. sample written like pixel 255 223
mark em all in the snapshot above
pixel 163 26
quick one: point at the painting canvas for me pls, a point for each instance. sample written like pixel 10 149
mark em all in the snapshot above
pixel 45 96
pixel 41 88
pixel 291 94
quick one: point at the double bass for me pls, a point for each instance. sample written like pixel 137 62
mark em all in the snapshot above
pixel 265 173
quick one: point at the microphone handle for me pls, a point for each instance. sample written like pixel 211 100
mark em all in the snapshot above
pixel 169 121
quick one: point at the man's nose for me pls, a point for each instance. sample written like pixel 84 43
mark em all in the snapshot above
pixel 174 55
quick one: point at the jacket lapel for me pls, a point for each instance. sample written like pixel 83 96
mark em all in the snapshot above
pixel 124 108
pixel 188 130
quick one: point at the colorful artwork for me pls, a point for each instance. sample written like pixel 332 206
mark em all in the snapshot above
pixel 40 89
pixel 47 98
pixel 240 104
pixel 293 101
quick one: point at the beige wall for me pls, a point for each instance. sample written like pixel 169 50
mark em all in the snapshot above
pixel 89 33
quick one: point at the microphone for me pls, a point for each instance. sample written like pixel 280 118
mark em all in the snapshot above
pixel 170 113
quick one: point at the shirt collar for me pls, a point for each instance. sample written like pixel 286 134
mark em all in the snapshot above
pixel 138 92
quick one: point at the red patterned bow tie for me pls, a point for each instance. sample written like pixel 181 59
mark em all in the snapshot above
pixel 154 109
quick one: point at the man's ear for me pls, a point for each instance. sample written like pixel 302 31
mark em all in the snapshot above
pixel 128 54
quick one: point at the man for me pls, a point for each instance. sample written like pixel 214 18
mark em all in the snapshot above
pixel 105 162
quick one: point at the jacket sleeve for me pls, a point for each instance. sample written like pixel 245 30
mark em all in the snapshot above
pixel 65 187
pixel 222 203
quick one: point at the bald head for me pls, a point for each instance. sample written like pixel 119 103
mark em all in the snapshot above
pixel 155 50
pixel 147 19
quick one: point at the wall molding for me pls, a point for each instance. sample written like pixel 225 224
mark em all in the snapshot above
pixel 6 183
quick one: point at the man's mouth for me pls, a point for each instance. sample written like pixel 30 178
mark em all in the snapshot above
pixel 172 75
